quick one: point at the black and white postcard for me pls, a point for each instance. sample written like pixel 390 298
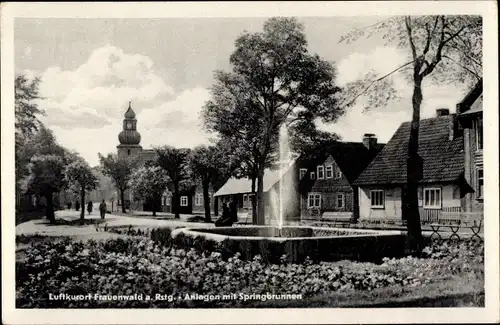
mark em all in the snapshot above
pixel 250 162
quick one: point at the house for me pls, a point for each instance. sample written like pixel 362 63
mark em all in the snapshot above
pixel 326 181
pixel 190 199
pixel 282 177
pixel 442 186
pixel 470 116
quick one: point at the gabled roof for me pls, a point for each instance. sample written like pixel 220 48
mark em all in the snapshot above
pixel 244 185
pixel 471 97
pixel 351 157
pixel 443 159
pixel 475 108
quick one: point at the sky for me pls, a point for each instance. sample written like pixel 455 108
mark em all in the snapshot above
pixel 92 68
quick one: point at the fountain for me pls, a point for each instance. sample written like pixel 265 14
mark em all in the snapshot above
pixel 296 242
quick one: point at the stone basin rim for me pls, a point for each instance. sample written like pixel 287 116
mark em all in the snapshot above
pixel 356 233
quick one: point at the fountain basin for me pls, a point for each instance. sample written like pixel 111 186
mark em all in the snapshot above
pixel 297 243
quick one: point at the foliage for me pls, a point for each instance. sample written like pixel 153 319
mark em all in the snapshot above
pixel 46 174
pixel 79 173
pixel 140 266
pixel 26 95
pixel 274 81
pixel 149 183
pixel 119 169
pixel 81 178
pixel 175 163
pixel 446 49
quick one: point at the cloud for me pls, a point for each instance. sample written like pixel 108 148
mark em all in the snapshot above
pixel 101 86
pixel 384 121
pixel 85 106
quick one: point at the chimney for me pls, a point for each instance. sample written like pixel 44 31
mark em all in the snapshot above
pixel 442 112
pixel 369 140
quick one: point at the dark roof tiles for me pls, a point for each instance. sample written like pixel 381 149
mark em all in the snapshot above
pixel 443 159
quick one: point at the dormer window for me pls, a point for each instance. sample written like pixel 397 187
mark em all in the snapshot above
pixel 321 172
pixel 313 175
pixel 329 171
pixel 338 173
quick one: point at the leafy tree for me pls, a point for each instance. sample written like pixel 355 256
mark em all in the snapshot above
pixel 149 183
pixel 26 123
pixel 80 175
pixel 45 178
pixel 274 81
pixel 26 108
pixel 441 49
pixel 206 163
pixel 174 161
pixel 120 170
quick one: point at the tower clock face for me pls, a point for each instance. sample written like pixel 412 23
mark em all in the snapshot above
pixel 129 125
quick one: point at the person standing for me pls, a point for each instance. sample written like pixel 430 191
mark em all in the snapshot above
pixel 90 206
pixel 233 210
pixel 102 209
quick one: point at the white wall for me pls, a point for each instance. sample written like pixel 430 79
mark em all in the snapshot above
pixel 450 198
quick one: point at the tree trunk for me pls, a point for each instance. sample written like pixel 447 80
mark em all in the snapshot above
pixel 153 205
pixel 82 203
pixel 254 202
pixel 50 208
pixel 122 198
pixel 176 202
pixel 261 210
pixel 206 201
pixel 414 174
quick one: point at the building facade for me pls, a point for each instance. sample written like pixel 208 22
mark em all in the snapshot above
pixel 326 181
pixel 443 185
pixel 470 111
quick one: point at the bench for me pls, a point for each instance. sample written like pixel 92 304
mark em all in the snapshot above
pixel 329 218
pixel 456 221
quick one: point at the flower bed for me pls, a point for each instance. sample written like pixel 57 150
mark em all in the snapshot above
pixel 141 267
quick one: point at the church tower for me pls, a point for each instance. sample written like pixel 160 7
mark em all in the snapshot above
pixel 129 138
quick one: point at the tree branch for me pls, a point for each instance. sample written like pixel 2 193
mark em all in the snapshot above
pixel 410 37
pixel 377 80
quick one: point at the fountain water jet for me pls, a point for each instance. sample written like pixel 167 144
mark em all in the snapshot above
pixel 285 186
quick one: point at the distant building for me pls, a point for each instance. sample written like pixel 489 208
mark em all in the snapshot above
pixel 443 187
pixel 190 200
pixel 327 181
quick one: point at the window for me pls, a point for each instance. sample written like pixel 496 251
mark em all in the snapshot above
pixel 329 171
pixel 477 125
pixel 128 152
pixel 340 200
pixel 245 197
pixel 184 201
pixel 377 198
pixel 338 173
pixel 432 198
pixel 480 183
pixel 313 175
pixel 198 199
pixel 169 197
pixel 314 200
pixel 302 172
pixel 321 172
